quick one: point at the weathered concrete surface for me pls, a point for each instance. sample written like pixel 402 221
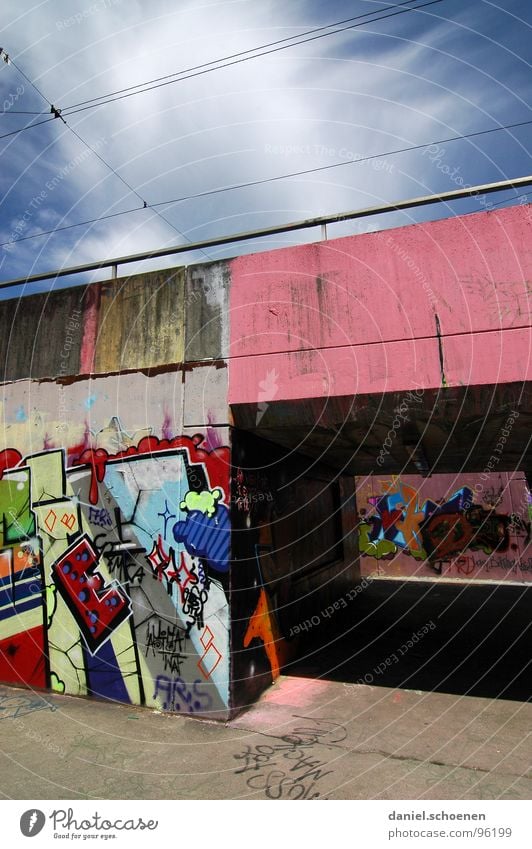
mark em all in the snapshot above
pixel 205 395
pixel 140 322
pixel 145 321
pixel 206 312
pixel 335 371
pixel 39 415
pixel 41 336
pixel 315 737
pixel 349 432
pixel 444 303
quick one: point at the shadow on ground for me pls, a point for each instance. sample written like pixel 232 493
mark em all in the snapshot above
pixel 480 644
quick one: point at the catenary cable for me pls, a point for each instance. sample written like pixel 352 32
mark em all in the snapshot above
pixel 242 53
pixel 202 69
pixel 277 178
pixel 57 114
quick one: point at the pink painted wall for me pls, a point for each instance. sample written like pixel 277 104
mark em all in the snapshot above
pixel 465 527
pixel 357 315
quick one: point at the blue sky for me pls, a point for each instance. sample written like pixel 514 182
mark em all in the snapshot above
pixel 451 68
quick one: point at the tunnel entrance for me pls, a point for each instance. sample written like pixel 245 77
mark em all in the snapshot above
pixel 412 572
pixel 441 637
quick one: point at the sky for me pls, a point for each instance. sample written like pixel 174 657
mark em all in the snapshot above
pixel 449 69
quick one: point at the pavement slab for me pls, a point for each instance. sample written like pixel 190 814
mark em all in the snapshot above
pixel 304 739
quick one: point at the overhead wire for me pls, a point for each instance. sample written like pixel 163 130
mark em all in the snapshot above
pixel 204 68
pixel 236 58
pixel 256 52
pixel 20 112
pixel 27 127
pixel 243 53
pixel 277 178
pixel 145 204
pixel 111 98
pixel 57 113
pixel 509 200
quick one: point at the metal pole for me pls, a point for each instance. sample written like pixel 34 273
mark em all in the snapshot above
pixel 412 203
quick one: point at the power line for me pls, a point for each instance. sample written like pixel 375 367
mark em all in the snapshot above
pixel 411 203
pixel 238 55
pixel 145 204
pixel 112 99
pixel 340 164
pixel 19 112
pixel 71 226
pixel 199 70
pixel 272 179
pixel 27 127
pixel 31 83
pixel 509 200
pixel 57 114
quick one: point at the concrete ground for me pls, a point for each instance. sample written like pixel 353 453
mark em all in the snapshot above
pixel 304 739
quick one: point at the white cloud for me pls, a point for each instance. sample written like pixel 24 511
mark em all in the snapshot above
pixel 302 108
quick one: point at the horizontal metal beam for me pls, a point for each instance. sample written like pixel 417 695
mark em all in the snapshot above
pixel 412 203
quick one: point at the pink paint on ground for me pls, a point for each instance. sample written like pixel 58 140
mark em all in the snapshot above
pixel 295 692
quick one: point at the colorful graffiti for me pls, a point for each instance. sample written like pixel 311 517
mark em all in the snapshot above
pixel 451 535
pixel 113 573
pixel 263 626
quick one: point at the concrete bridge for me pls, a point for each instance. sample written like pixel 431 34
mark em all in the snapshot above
pixel 198 462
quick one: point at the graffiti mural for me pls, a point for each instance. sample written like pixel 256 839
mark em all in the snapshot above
pixel 264 627
pixel 113 572
pixel 426 527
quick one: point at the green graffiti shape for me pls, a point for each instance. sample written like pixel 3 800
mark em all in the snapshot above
pixel 18 523
pixel 51 602
pixel 56 684
pixel 378 549
pixel 205 502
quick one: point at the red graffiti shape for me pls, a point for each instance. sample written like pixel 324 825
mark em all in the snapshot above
pixel 216 461
pixel 9 458
pixel 98 608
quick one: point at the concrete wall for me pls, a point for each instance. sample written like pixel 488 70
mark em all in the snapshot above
pixel 440 304
pixel 121 474
pixel 143 322
pixel 115 548
pixel 140 323
pixel 41 336
pixel 115 496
